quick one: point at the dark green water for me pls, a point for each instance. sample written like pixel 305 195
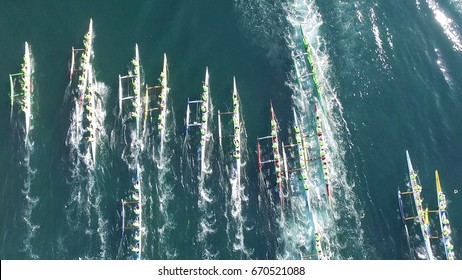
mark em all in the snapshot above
pixel 391 82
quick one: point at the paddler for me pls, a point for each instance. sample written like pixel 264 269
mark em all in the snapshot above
pixel 133 115
pixel 137 185
pixel 444 219
pixel 278 179
pixel 136 248
pixel 236 143
pixel 273 123
pixel 319 130
pixel 276 156
pixel 137 235
pixel 298 138
pixel 323 154
pixel 297 130
pixel 275 144
pixel 136 195
pixel 446 230
pixel 137 209
pixel 442 205
pixel 441 196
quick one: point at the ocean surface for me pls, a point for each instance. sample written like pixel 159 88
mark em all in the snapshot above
pixel 390 78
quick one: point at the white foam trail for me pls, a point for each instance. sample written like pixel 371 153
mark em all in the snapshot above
pixel 235 195
pixel 164 184
pixel 207 198
pixel 341 226
pixel 263 18
pixel 30 202
pixel 84 213
pixel 26 153
pixel 378 41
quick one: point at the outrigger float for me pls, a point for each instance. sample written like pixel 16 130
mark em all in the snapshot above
pixel 134 76
pixel 25 82
pixel 134 205
pixel 422 214
pixel 276 155
pixel 204 107
pixel 236 131
pixel 86 101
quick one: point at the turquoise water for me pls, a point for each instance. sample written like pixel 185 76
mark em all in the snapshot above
pixel 391 82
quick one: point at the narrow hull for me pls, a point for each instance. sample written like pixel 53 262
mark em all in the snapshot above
pixel 444 221
pixel 137 89
pixel 163 100
pixel 204 119
pixel 416 189
pixel 276 156
pixel 27 87
pixel 322 153
pixel 237 132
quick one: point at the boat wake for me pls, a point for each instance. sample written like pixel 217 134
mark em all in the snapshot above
pixel 207 197
pixel 163 216
pixel 22 134
pixel 340 222
pixel 84 213
pixel 237 203
pixel 30 201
